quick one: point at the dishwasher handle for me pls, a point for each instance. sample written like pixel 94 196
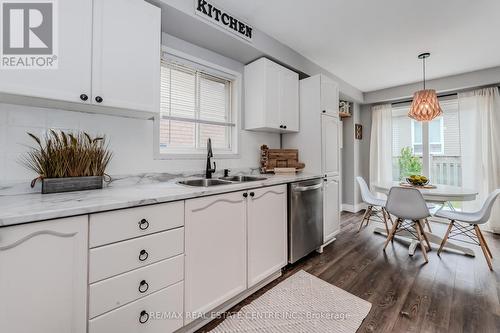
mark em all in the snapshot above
pixel 307 188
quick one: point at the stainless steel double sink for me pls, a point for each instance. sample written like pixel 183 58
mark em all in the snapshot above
pixel 203 182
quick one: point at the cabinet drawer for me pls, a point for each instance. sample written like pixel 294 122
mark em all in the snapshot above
pixel 110 227
pixel 111 293
pixel 114 259
pixel 166 305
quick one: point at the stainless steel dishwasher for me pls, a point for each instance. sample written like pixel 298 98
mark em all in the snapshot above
pixel 305 218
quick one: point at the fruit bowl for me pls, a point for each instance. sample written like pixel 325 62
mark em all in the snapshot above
pixel 417 180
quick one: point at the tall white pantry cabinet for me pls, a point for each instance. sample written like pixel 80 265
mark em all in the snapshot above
pixel 320 142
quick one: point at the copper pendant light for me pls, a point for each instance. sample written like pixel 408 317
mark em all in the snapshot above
pixel 425 105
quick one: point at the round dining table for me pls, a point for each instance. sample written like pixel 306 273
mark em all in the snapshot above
pixel 443 195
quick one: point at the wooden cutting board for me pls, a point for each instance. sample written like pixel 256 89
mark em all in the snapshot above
pixel 279 158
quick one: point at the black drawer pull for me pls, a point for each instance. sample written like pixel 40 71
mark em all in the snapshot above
pixel 143 224
pixel 245 195
pixel 143 286
pixel 144 317
pixel 252 194
pixel 98 99
pixel 143 255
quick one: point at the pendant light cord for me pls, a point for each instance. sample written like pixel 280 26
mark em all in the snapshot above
pixel 424 70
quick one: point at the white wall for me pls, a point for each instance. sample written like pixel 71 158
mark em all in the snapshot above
pixel 452 83
pixel 131 140
pixel 179 19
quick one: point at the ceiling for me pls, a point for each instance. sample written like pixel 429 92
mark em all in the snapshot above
pixel 374 44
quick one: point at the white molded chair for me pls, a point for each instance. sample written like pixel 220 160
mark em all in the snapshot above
pixel 376 206
pixel 473 220
pixel 410 209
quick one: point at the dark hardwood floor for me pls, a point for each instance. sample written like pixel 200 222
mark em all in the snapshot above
pixel 453 293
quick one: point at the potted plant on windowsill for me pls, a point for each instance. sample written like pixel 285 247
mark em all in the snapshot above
pixel 68 162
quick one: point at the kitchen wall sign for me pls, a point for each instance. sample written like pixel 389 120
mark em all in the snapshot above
pixel 223 19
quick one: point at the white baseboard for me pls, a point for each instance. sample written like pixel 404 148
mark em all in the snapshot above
pixel 353 208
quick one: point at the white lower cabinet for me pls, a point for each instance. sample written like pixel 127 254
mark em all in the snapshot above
pixel 153 279
pixel 233 241
pixel 160 312
pixel 43 277
pixel 267 232
pixel 117 258
pixel 117 291
pixel 215 251
pixel 331 207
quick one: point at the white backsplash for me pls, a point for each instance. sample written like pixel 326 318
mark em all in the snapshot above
pixel 131 141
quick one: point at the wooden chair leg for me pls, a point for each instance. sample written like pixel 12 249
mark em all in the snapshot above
pixel 367 211
pixel 369 215
pixel 389 216
pixel 391 234
pixel 428 225
pixel 422 229
pixel 484 242
pixel 445 238
pixel 481 243
pixel 418 227
pixel 385 220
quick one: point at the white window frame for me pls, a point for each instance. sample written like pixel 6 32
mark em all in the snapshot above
pixel 441 142
pixel 235 77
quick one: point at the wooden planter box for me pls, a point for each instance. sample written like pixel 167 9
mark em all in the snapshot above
pixel 70 184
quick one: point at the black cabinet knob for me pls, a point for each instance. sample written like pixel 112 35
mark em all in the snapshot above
pixel 143 317
pixel 143 255
pixel 84 97
pixel 143 286
pixel 324 111
pixel 98 99
pixel 284 126
pixel 143 224
pixel 281 126
pixel 245 195
pixel 252 194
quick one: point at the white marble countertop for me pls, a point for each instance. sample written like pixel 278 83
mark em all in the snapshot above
pixel 32 207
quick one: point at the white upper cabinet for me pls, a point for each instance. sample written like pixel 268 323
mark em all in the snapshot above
pixel 271 97
pixel 43 276
pixel 108 55
pixel 289 100
pixel 126 54
pixel 329 96
pixel 72 77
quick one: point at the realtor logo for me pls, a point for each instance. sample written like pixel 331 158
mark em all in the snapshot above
pixel 28 34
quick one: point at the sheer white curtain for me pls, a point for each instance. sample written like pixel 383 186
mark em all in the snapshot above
pixel 381 144
pixel 480 140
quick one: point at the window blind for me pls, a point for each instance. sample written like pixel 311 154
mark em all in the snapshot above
pixel 194 106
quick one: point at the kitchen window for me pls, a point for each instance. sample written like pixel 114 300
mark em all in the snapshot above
pixel 197 103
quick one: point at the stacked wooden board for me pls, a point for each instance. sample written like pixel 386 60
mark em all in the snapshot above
pixel 280 159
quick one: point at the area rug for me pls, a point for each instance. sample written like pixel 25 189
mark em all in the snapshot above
pixel 302 303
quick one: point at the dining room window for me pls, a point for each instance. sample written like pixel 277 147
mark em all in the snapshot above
pixel 432 148
pixel 436 136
